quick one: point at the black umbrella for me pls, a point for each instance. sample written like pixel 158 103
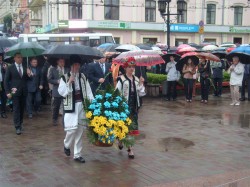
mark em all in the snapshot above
pixel 220 54
pixel 182 61
pixel 6 43
pixel 65 51
pixel 166 57
pixel 111 48
pixel 144 46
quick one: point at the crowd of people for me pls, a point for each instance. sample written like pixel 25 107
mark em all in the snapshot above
pixel 28 86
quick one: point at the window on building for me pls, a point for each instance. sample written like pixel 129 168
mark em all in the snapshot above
pixel 211 13
pixel 180 41
pixel 237 41
pixel 150 11
pixel 238 12
pixel 210 40
pixel 149 40
pixel 182 12
pixel 75 9
pixel 111 9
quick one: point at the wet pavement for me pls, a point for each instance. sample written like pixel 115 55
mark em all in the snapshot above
pixel 181 144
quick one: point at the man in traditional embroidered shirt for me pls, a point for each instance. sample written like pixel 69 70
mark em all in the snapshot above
pixel 74 87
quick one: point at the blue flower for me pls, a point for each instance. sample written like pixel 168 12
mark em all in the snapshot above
pixel 92 107
pixel 98 97
pixel 118 98
pixel 108 95
pixel 94 101
pixel 115 116
pixel 107 113
pixel 123 115
pixel 125 105
pixel 115 104
pixel 107 104
pixel 97 112
pixel 127 112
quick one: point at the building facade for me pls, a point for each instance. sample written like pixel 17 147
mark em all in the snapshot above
pixel 139 21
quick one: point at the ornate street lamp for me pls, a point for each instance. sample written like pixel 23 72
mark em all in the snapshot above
pixel 162 5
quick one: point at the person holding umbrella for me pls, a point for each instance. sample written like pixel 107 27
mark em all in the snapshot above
pixel 131 87
pixel 246 80
pixel 236 76
pixel 188 72
pixel 172 77
pixel 74 87
pixel 15 84
pixel 204 70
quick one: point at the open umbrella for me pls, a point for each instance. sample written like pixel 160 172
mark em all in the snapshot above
pixel 142 58
pixel 127 47
pixel 102 47
pixel 65 51
pixel 184 59
pixel 209 47
pixel 221 54
pixel 186 50
pixel 5 43
pixel 110 48
pixel 182 46
pixel 208 56
pixel 166 57
pixel 27 49
pixel 227 44
pixel 228 50
pixel 242 52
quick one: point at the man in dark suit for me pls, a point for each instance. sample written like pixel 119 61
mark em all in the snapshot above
pixel 35 85
pixel 54 76
pixel 15 84
pixel 99 73
pixel 3 67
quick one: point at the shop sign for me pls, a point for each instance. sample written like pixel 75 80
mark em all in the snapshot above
pixel 115 25
pixel 184 28
pixel 239 30
pixel 63 24
pixel 39 30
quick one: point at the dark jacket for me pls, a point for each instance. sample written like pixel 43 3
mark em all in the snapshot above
pixel 44 74
pixel 3 71
pixel 205 72
pixel 13 80
pixel 53 78
pixel 95 73
pixel 217 69
pixel 35 81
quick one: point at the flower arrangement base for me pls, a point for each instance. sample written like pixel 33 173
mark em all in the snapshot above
pixel 134 133
pixel 101 144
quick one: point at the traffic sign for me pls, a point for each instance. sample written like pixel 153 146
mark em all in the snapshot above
pixel 201 23
pixel 201 30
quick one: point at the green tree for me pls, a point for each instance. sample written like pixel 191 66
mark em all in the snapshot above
pixel 7 20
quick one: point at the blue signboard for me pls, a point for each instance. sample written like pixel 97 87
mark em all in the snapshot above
pixel 184 28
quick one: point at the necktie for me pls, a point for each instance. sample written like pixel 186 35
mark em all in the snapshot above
pixel 20 71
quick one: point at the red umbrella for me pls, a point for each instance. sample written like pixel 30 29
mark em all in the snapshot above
pixel 208 56
pixel 183 46
pixel 230 49
pixel 187 49
pixel 142 58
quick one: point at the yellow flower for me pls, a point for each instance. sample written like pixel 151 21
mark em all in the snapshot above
pixel 89 114
pixel 120 123
pixel 128 120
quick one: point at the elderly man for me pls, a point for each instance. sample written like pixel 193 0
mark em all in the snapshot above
pixel 236 77
pixel 74 87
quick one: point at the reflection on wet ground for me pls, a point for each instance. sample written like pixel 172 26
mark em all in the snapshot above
pixel 173 143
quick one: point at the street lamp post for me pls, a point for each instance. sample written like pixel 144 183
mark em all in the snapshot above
pixel 162 5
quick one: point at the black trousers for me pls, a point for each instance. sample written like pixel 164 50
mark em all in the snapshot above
pixel 171 85
pixel 56 107
pixel 245 81
pixel 188 87
pixel 3 98
pixel 218 86
pixel 205 85
pixel 18 110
